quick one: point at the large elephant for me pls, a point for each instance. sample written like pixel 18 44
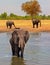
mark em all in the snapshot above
pixel 18 40
pixel 36 22
pixel 9 24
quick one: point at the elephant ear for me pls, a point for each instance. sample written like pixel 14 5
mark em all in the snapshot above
pixel 26 36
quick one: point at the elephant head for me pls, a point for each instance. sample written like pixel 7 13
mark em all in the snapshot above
pixel 18 40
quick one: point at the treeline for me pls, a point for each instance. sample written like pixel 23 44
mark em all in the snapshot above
pixel 13 16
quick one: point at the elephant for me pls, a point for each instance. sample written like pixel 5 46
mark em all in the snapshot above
pixel 17 41
pixel 36 22
pixel 10 23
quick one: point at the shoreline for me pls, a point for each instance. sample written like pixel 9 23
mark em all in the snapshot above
pixel 28 29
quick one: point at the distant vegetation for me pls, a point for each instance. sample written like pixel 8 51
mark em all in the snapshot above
pixel 13 16
pixel 31 8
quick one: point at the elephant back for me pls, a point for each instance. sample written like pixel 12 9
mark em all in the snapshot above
pixel 10 22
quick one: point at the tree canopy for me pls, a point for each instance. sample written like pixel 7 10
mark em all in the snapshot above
pixel 31 7
pixel 4 15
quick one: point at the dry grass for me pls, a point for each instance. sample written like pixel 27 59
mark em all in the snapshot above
pixel 26 24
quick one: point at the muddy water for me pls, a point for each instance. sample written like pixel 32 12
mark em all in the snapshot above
pixel 37 50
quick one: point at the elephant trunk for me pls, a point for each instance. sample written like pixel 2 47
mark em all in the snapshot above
pixel 14 26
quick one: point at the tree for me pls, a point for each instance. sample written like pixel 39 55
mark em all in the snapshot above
pixel 12 15
pixel 43 16
pixel 31 7
pixel 4 15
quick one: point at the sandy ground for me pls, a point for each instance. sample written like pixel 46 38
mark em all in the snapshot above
pixel 27 25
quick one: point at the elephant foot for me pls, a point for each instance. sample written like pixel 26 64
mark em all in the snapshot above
pixel 21 55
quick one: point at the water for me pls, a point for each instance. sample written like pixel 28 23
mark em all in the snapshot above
pixel 37 50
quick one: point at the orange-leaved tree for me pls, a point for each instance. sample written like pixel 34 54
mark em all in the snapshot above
pixel 31 7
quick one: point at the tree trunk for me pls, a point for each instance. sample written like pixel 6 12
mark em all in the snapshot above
pixel 32 19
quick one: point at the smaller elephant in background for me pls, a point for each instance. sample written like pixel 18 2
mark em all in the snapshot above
pixel 9 24
pixel 18 40
pixel 36 22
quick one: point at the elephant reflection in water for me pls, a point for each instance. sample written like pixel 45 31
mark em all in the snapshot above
pixel 18 40
pixel 17 61
pixel 36 22
pixel 9 24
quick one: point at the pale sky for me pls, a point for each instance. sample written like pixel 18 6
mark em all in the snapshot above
pixel 14 6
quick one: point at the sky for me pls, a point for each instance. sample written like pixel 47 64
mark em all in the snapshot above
pixel 14 6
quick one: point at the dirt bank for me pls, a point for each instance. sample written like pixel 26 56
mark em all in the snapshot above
pixel 27 25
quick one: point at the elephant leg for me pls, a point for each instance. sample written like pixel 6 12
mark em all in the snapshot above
pixel 10 26
pixel 7 26
pixel 22 50
pixel 18 50
pixel 12 47
pixel 40 24
pixel 37 25
pixel 13 51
